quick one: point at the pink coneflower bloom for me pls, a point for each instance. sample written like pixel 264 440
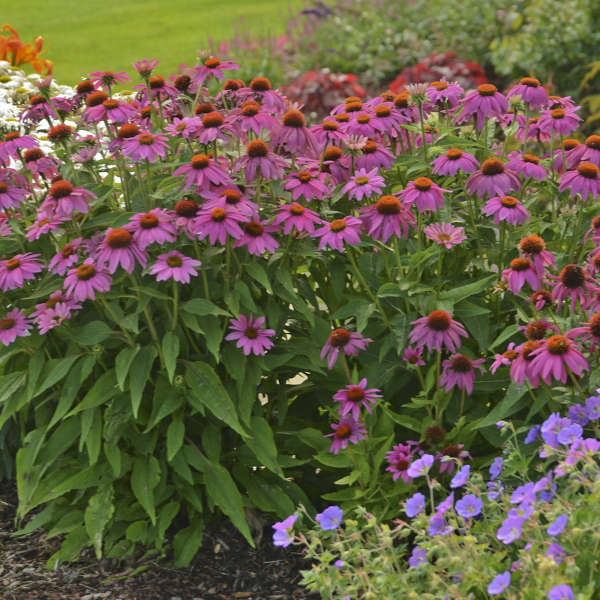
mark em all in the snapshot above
pixel 187 127
pixel 584 180
pixel 532 92
pixel 430 135
pixel 184 214
pixel 520 272
pixel 231 197
pixel 64 199
pixel 10 195
pixel 436 330
pixel 400 458
pixel 373 155
pixel 493 179
pixel 212 67
pixel 43 225
pixel 202 172
pixel 40 108
pixel 521 365
pixel 589 332
pixel 531 128
pixel 82 90
pixel 294 136
pixel 459 371
pixel 594 231
pixel 251 117
pixel 259 160
pixel 427 195
pixel 507 208
pixel 145 66
pixel 213 126
pixel 55 298
pixel 39 164
pixel 329 132
pixel 160 90
pixel 260 89
pixel 18 269
pixel 146 146
pixel 107 109
pixel 556 356
pixel 445 234
pixel 108 78
pixel 444 93
pixel 484 102
pixel 13 325
pixel 307 184
pixel 575 283
pixel 54 311
pixel 250 334
pixel 594 262
pixel 351 342
pixel 66 258
pixel 387 217
pixel 5 229
pixel 347 430
pixel 119 248
pixel 152 227
pixel 298 217
pixel 413 356
pixel 540 299
pixel 361 125
pixel 338 232
pixel 352 396
pixel 364 184
pixel 84 281
pixel 174 265
pixel 455 451
pixel 387 120
pixel 534 247
pixel 527 165
pixel 335 163
pixel 504 359
pixel 256 237
pixel 127 131
pixel 453 161
pixel 561 102
pixel 591 151
pixel 217 223
pixel 12 143
pixel 559 121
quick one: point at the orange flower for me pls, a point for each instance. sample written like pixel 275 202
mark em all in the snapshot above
pixel 17 52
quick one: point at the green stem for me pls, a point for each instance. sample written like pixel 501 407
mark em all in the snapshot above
pixel 154 335
pixel 175 304
pixel 112 313
pixel 422 121
pixel 438 363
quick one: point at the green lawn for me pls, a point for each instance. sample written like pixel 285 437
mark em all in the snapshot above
pixel 87 35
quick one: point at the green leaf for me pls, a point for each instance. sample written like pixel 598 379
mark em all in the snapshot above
pixel 123 363
pixel 144 478
pixel 459 293
pixel 187 542
pixel 262 443
pixel 508 332
pixel 98 513
pixel 139 374
pixel 268 497
pixel 175 434
pixel 206 390
pixel 213 334
pixel 113 456
pixel 57 369
pixel 257 272
pixel 92 333
pixel 34 368
pixel 165 517
pixel 504 408
pixel 203 307
pixel 100 393
pixel 170 348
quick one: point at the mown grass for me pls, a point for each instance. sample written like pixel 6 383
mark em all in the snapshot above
pixel 87 35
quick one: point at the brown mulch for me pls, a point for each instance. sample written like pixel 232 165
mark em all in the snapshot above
pixel 225 568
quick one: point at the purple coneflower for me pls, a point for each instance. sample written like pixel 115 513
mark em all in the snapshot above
pixel 259 160
pixel 10 195
pixel 534 247
pixel 329 132
pixel 13 325
pixel 18 269
pixel 436 330
pixel 84 281
pixel 575 283
pixel 160 90
pixel 351 342
pixel 584 180
pixel 589 332
pixel 119 248
pixel 361 125
pixel 364 184
pixel 459 371
pixel 174 265
pixel 445 234
pixel 353 396
pixel 484 102
pixel 250 334
pixel 347 430
pixel 13 142
pixel 298 217
pixel 217 223
pixel 532 92
pixel 493 179
pixel 506 208
pixel 592 150
pixel 231 197
pixel 338 232
pixel 424 193
pixel 256 237
pixel 559 121
pixel 556 357
pixel 213 126
pixel 400 458
pixel 374 156
pixel 387 217
pixel 521 271
pixel 453 161
pixel 307 184
pixel 527 165
pixel 39 164
pixel 294 136
pixel 65 199
pixel 521 365
pixel 212 67
pixel 252 117
pixel 99 107
pixel 444 93
pixel 260 89
pixel 108 78
pixel 202 172
pixel 43 225
pixel 152 227
pixel 145 66
pixel 146 146
pixel 413 356
pixel 537 330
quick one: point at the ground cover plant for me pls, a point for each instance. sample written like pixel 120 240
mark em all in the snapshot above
pixel 211 306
